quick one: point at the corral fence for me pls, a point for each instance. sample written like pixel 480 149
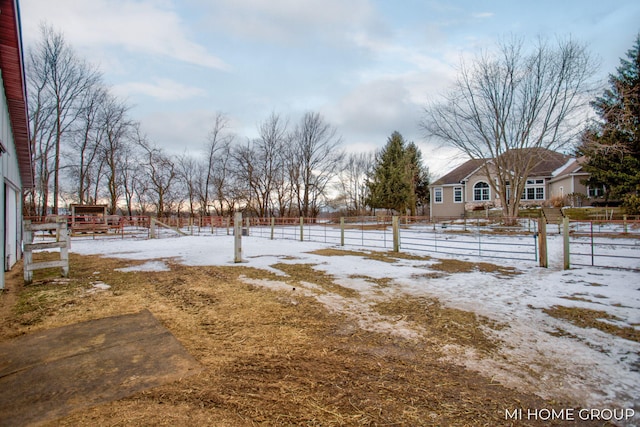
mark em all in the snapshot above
pixel 506 238
pixel 93 227
pixel 503 238
pixel 598 243
pixel 602 243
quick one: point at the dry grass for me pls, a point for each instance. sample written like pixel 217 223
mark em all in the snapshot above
pixel 268 359
pixel 390 257
pixel 459 266
pixel 587 318
pixel 448 325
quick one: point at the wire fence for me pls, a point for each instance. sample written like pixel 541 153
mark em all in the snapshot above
pixel 514 239
pixel 598 243
pixel 613 244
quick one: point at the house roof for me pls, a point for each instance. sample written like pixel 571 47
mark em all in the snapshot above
pixel 573 166
pixel 460 173
pixel 549 162
pixel 12 66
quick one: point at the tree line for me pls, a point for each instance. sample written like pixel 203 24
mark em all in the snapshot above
pixel 88 150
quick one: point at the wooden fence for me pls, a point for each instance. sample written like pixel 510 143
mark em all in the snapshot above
pixel 61 243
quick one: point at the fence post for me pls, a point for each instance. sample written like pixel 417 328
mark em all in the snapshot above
pixel 248 225
pixel 396 233
pixel 273 226
pixel 341 231
pixel 302 229
pixel 64 250
pixel 565 239
pixel 152 228
pixel 237 237
pixel 624 223
pixel 542 243
pixel 28 255
pixel 592 247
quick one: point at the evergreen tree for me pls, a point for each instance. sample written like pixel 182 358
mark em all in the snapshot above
pixel 612 145
pixel 399 181
pixel 418 176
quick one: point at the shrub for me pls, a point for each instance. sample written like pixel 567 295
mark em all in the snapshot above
pixel 557 201
pixel 631 204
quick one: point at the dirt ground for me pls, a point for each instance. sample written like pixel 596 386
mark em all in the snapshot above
pixel 273 357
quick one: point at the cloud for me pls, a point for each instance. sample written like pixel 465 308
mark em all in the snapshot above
pixel 163 89
pixel 141 27
pixel 292 21
pixel 482 15
pixel 177 132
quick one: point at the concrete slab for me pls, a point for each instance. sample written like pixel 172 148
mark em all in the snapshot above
pixel 49 374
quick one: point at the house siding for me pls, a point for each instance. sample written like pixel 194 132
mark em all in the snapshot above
pixel 557 176
pixel 448 208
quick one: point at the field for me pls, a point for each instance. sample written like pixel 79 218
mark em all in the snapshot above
pixel 313 334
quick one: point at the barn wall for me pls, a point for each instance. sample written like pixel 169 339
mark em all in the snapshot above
pixel 10 191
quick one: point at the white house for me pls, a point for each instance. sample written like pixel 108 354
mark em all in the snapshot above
pixel 15 151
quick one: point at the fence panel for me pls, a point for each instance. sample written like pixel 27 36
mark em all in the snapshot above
pixel 614 244
pixel 514 240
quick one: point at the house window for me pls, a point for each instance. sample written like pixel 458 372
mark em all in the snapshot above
pixel 481 192
pixel 457 195
pixel 534 190
pixel 437 195
pixel 595 192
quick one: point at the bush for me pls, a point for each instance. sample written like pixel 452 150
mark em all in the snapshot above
pixel 631 204
pixel 557 201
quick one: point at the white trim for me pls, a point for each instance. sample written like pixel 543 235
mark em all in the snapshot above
pixel 438 190
pixel 487 188
pixel 461 188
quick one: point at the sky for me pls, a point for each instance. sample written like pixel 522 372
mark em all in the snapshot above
pixel 368 66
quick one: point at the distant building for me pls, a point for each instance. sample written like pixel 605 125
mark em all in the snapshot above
pixel 467 187
pixel 15 152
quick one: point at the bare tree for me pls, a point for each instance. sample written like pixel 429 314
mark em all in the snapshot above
pixel 216 158
pixel 259 162
pixel 188 169
pixel 85 143
pixel 505 104
pixel 271 146
pixel 61 78
pixel 226 190
pixel 160 174
pixel 41 117
pixel 352 178
pixel 118 131
pixel 314 162
pixel 132 172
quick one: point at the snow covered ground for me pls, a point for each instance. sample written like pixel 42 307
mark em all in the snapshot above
pixel 540 353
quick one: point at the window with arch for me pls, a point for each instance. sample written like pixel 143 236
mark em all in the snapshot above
pixel 481 192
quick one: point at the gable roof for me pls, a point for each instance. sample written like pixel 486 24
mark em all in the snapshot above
pixel 460 173
pixel 548 164
pixel 12 66
pixel 547 160
pixel 573 166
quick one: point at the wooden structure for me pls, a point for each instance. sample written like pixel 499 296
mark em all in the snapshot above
pixel 62 243
pixel 89 219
